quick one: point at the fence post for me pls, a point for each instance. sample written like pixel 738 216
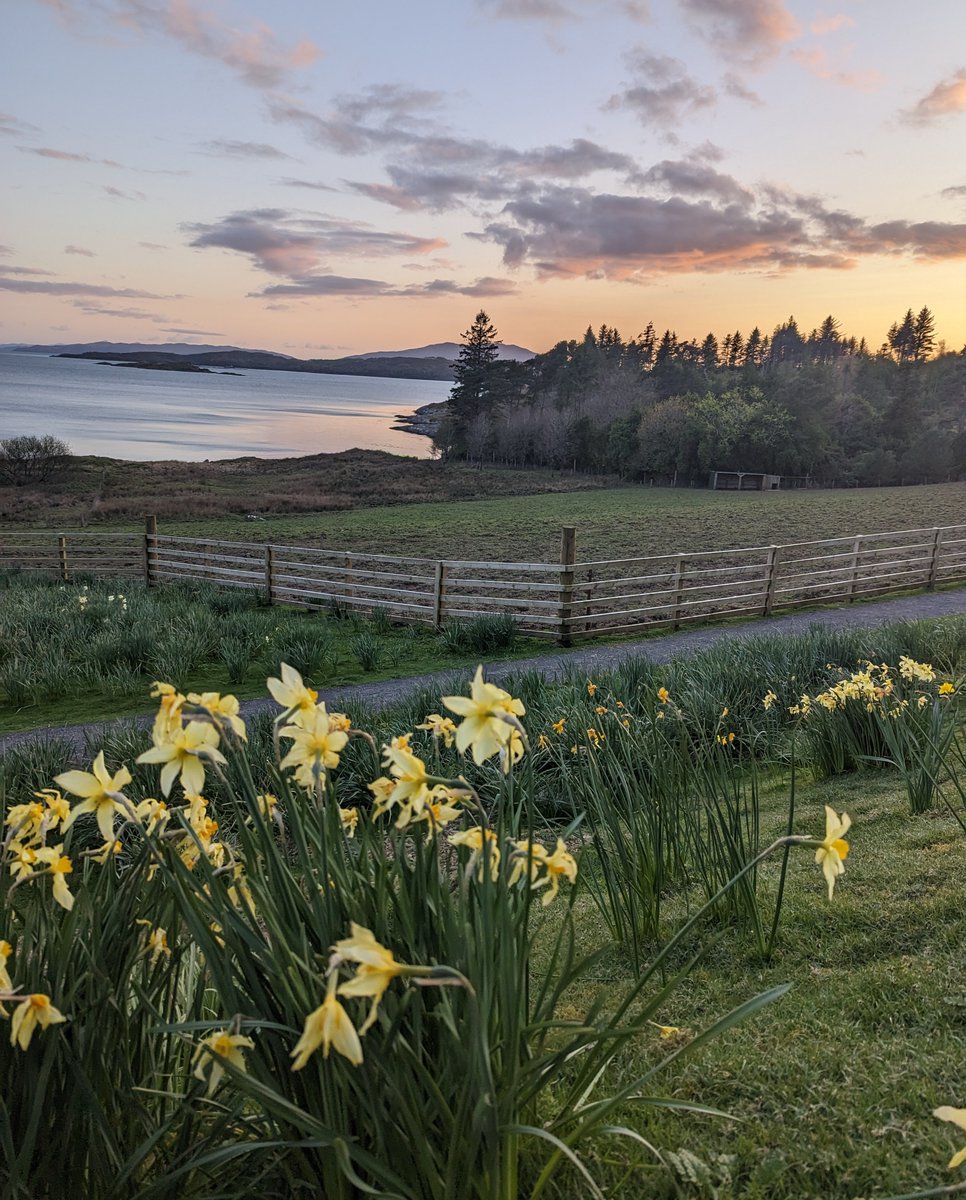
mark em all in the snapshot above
pixel 439 589
pixel 269 562
pixel 772 573
pixel 150 549
pixel 856 550
pixel 62 555
pixel 678 588
pixel 937 547
pixel 568 556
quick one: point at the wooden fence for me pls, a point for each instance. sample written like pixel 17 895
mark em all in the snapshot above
pixel 565 600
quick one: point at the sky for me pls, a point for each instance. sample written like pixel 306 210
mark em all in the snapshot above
pixel 324 179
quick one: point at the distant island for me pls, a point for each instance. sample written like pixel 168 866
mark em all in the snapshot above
pixel 182 365
pixel 421 362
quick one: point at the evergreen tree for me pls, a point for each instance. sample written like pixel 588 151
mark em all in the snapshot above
pixel 474 375
pixel 924 334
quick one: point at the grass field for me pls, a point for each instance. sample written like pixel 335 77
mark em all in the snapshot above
pixel 613 522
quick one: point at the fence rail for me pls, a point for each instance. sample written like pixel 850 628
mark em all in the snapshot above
pixel 564 600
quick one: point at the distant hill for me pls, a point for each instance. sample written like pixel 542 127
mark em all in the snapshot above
pixel 262 360
pixel 449 351
pixel 106 348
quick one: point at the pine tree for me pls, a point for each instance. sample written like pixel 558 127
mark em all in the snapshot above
pixel 924 333
pixel 474 376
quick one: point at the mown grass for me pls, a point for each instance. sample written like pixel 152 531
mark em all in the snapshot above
pixel 832 1088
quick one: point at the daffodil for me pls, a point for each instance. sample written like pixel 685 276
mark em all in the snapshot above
pixel 25 821
pixel 212 1049
pixel 475 839
pixel 57 809
pixel 290 691
pixel 559 865
pixel 224 709
pixel 833 850
pixel 350 819
pixel 99 791
pixel 958 1117
pixel 58 866
pixel 6 983
pixel 183 756
pixel 381 788
pixel 558 726
pixel 157 942
pixel 377 968
pixel 413 786
pixel 328 1026
pixel 154 814
pixel 22 860
pixel 316 746
pixel 527 859
pixel 768 700
pixel 946 689
pixel 437 813
pixel 663 695
pixel 32 1011
pixel 440 727
pixel 489 715
pixel 168 719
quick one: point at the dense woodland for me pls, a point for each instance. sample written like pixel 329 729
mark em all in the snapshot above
pixel 820 405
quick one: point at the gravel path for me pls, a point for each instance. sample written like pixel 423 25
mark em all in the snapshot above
pixel 587 661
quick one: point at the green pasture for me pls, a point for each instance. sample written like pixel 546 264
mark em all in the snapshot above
pixel 611 523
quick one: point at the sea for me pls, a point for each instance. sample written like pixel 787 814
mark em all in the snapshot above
pixel 131 413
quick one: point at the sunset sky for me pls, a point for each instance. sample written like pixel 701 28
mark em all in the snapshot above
pixel 323 179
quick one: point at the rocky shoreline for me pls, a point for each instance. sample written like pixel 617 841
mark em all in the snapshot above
pixel 425 421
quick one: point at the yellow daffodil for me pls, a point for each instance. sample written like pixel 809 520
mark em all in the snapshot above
pixel 381 788
pixel 290 692
pixel 328 1026
pixel 667 1031
pixel 22 860
pixel 489 715
pixel 559 865
pixel 591 688
pixel 911 670
pixel 108 850
pixel 527 858
pixel 437 813
pixel 58 866
pixel 350 819
pixel 99 791
pixel 316 746
pixel 663 695
pixel 168 719
pixel 217 1046
pixel 543 742
pixel 6 983
pixel 377 968
pixel 57 809
pixel 958 1117
pixel 25 821
pixel 157 942
pixel 183 756
pixel 946 689
pixel 440 727
pixel 224 709
pixel 412 788
pixel 153 814
pixel 32 1011
pixel 474 839
pixel 833 850
pixel 768 700
pixel 558 726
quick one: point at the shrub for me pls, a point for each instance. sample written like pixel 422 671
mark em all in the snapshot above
pixel 29 459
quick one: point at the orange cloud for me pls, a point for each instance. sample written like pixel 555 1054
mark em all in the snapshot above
pixel 946 99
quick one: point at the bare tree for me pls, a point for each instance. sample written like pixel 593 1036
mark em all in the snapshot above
pixel 28 459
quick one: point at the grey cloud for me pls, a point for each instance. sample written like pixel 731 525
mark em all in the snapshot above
pixel 50 152
pixel 24 271
pixel 66 288
pixel 663 92
pixel 689 178
pixel 556 11
pixel 573 232
pixel 124 313
pixel 487 285
pixel 194 332
pixel 118 194
pixel 328 285
pixel 954 193
pixel 81 250
pixel 283 243
pixel 735 86
pixel 6 250
pixel 383 116
pixel 747 32
pixel 946 99
pixel 311 184
pixel 227 148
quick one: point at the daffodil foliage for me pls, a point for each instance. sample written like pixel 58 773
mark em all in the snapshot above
pixel 293 994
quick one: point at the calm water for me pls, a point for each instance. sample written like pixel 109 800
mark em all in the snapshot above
pixel 123 412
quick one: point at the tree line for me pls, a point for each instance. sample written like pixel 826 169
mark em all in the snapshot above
pixel 819 404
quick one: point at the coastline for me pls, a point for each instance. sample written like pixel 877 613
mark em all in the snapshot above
pixel 424 422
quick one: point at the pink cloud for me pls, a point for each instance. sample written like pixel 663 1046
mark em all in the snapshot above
pixel 822 25
pixel 816 59
pixel 946 99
